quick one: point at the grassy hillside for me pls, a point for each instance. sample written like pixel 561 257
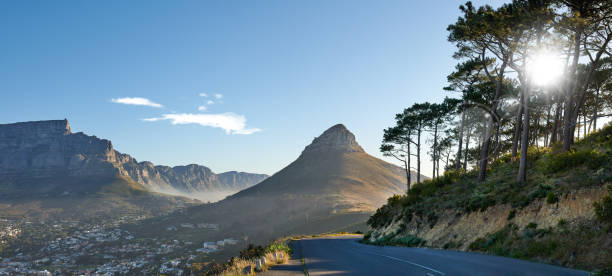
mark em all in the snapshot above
pixel 561 215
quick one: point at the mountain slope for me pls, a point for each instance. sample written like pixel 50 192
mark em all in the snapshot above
pixel 333 184
pixel 334 164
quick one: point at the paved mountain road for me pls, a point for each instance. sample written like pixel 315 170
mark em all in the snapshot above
pixel 346 256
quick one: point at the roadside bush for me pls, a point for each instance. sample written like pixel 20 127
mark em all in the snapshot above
pixel 492 242
pixel 252 251
pixel 551 198
pixel 409 240
pixel 278 246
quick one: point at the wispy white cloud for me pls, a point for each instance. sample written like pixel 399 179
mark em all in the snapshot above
pixel 218 96
pixel 203 95
pixel 202 108
pixel 210 102
pixel 230 122
pixel 136 101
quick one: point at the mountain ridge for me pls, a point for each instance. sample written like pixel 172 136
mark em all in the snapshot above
pixel 39 149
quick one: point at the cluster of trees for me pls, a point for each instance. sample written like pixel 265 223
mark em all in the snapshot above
pixel 502 106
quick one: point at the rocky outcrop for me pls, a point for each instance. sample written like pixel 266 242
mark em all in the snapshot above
pixel 336 138
pixel 49 148
pixel 465 228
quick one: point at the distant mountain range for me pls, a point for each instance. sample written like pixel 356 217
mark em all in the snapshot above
pixel 333 185
pixel 45 156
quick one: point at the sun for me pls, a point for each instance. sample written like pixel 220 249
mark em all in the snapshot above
pixel 544 68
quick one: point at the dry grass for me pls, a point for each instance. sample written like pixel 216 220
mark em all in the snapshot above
pixel 239 266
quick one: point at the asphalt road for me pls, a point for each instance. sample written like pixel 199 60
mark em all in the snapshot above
pixel 346 256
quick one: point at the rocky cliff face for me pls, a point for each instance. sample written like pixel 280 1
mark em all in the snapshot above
pixel 336 138
pixel 49 148
pixel 43 148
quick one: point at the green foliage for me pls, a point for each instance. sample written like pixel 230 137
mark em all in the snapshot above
pixel 603 208
pixel 553 163
pixel 410 240
pixel 511 214
pixel 551 198
pixel 452 244
pixel 479 202
pixel 493 242
pixel 278 246
pixel 252 251
pixel 402 240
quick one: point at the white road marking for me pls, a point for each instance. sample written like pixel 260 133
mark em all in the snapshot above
pixel 405 261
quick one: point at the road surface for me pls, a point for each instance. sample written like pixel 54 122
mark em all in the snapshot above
pixel 346 256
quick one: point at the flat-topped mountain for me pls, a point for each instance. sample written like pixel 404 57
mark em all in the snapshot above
pixel 30 152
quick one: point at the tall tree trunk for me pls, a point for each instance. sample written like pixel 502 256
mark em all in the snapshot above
pixel 435 149
pixel 536 124
pixel 409 166
pixel 596 109
pixel 517 128
pixel 419 154
pixel 584 126
pixel 497 142
pixel 547 126
pixel 522 174
pixel 460 142
pixel 568 129
pixel 484 151
pixel 467 148
pixel 555 131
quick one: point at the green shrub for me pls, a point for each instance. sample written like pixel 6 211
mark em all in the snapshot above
pixel 479 202
pixel 251 252
pixel 562 223
pixel 512 214
pixel 432 218
pixel 409 240
pixel 278 246
pixel 452 244
pixel 603 208
pixel 551 198
pixel 531 225
pixel 395 199
pixel 570 159
pixel 493 241
pixel 541 248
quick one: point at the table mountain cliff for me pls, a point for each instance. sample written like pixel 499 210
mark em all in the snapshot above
pixel 31 152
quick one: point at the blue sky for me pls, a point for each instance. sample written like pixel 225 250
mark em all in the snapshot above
pixel 285 70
